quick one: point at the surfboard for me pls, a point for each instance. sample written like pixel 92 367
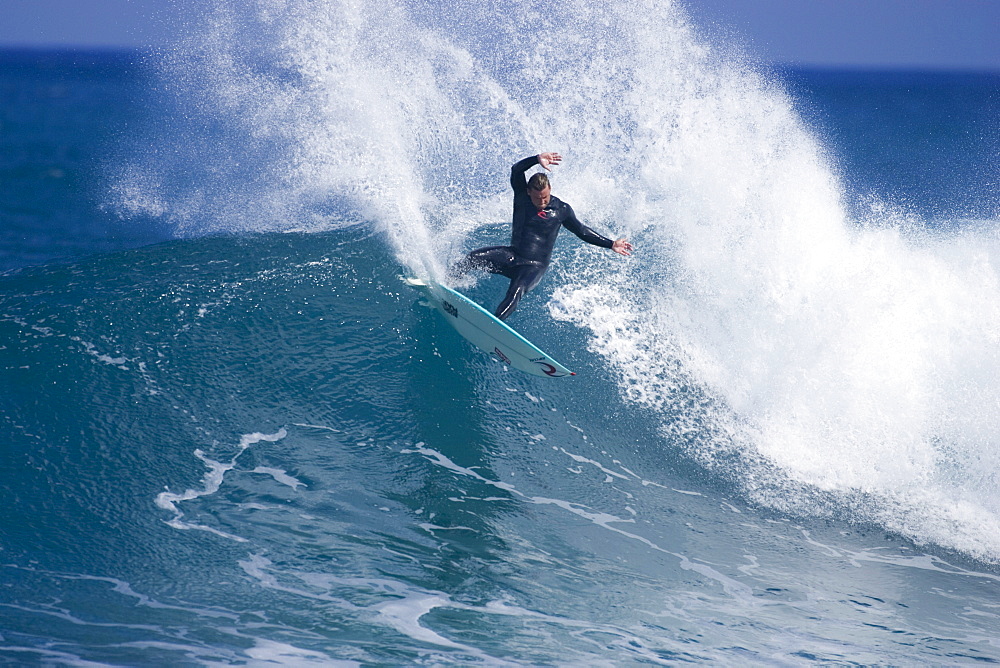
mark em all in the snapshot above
pixel 487 332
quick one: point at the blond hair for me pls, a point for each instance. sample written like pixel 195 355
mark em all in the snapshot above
pixel 538 182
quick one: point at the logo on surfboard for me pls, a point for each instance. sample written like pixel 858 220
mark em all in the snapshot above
pixel 503 358
pixel 548 369
pixel 451 310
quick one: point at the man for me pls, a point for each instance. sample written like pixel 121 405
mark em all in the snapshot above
pixel 536 222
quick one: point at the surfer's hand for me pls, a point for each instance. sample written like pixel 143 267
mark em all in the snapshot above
pixel 622 247
pixel 546 159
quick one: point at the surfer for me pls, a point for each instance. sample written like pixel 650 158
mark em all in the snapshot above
pixel 538 215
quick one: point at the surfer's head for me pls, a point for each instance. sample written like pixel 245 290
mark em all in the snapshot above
pixel 539 190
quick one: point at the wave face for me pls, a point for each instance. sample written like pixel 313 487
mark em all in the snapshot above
pixel 253 444
pixel 264 449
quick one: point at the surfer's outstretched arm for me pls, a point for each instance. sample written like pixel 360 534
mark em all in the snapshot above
pixel 573 224
pixel 517 170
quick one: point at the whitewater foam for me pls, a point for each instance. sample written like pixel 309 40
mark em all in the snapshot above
pixel 212 481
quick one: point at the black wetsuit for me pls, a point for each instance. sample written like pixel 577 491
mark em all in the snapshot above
pixel 533 235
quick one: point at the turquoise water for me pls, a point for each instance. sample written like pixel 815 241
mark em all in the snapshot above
pixel 234 436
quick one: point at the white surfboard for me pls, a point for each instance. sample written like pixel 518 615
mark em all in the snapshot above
pixel 488 333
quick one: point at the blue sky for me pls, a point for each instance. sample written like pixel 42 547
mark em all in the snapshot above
pixel 948 34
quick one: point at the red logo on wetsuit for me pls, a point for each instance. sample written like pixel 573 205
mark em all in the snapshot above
pixel 546 214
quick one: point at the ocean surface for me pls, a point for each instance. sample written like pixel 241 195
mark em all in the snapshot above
pixel 231 435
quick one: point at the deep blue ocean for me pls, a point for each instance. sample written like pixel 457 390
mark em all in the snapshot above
pixel 231 435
